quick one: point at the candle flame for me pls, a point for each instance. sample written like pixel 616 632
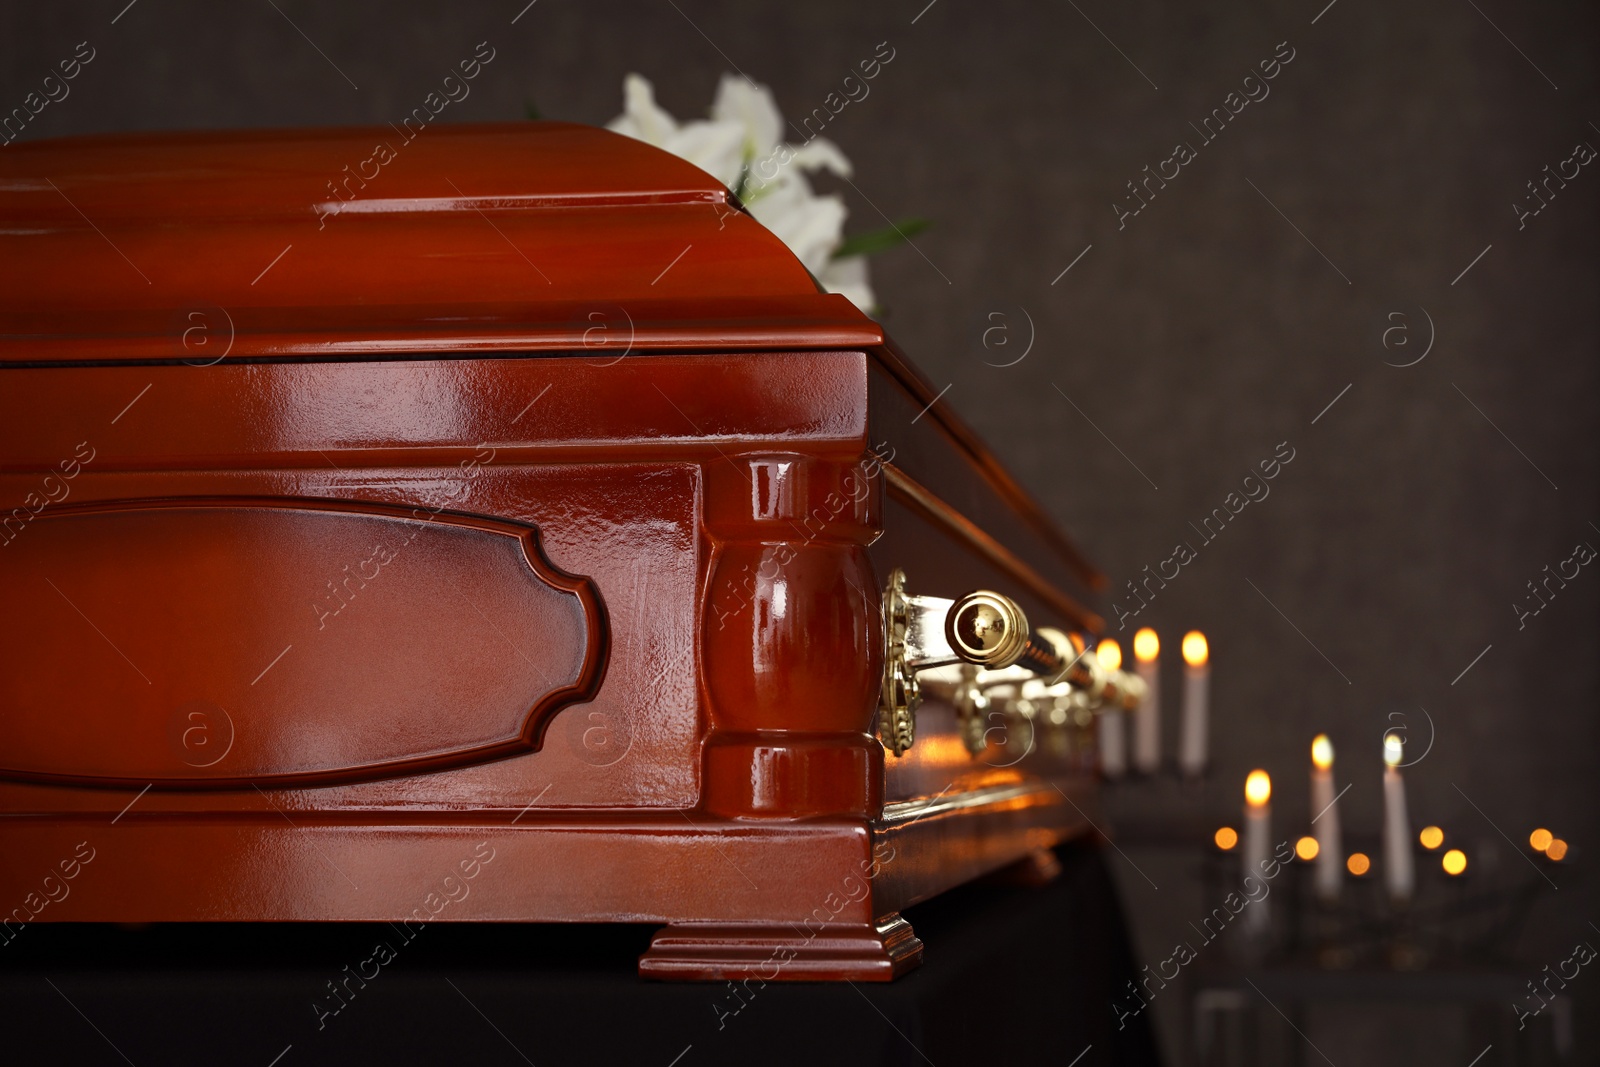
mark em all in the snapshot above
pixel 1358 864
pixel 1110 654
pixel 1322 752
pixel 1540 839
pixel 1146 645
pixel 1307 848
pixel 1258 788
pixel 1454 862
pixel 1394 749
pixel 1431 837
pixel 1195 649
pixel 1226 838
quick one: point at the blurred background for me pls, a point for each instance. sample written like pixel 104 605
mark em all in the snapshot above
pixel 1357 265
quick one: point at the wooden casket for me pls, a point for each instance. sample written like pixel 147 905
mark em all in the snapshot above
pixel 496 527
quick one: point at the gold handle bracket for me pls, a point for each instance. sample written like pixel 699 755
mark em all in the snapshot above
pixel 988 634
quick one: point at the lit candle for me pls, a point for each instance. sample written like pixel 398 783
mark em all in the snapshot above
pixel 1257 843
pixel 1196 704
pixel 1147 720
pixel 1113 731
pixel 1325 820
pixel 1399 872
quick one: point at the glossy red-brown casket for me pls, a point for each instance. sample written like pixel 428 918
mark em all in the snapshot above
pixel 492 532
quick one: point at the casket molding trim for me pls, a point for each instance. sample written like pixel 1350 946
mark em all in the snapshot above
pixel 529 738
pixel 919 498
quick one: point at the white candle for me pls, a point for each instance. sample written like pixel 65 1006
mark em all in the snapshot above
pixel 1257 846
pixel 1398 861
pixel 1325 824
pixel 1112 729
pixel 1147 719
pixel 1196 704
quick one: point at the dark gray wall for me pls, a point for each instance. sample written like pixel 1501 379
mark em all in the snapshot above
pixel 1250 293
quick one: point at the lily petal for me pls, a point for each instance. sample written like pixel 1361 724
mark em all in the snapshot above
pixel 741 101
pixel 849 276
pixel 641 118
pixel 819 153
pixel 715 147
pixel 812 226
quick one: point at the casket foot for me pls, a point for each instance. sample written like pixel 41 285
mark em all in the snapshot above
pixel 779 952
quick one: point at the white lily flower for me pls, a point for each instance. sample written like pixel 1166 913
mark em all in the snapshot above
pixel 848 277
pixel 819 153
pixel 752 107
pixel 741 147
pixel 809 224
pixel 715 147
pixel 641 118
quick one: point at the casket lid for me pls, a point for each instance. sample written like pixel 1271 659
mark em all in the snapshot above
pixel 344 243
pixel 383 243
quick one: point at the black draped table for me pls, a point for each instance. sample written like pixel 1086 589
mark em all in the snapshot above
pixel 1013 974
